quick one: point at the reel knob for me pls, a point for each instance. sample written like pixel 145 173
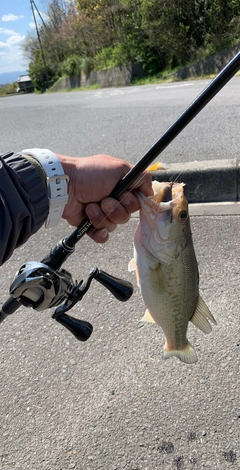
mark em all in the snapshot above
pixel 81 329
pixel 120 288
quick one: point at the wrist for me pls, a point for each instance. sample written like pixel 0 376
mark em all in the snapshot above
pixel 69 164
pixel 56 182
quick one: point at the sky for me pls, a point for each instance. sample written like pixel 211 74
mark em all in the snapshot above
pixel 16 20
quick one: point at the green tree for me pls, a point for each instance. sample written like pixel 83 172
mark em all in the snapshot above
pixel 41 74
pixel 104 33
pixel 222 23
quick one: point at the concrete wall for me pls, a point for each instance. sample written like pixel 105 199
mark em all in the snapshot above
pixel 115 77
pixel 212 65
pixel 67 82
pixel 124 76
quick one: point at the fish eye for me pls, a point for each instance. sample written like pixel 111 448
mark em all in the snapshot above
pixel 183 215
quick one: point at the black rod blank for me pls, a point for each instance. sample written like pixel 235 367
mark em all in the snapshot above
pixel 171 133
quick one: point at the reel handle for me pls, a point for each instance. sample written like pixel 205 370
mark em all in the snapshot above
pixel 81 329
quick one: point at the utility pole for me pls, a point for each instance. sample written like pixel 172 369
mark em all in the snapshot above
pixel 32 3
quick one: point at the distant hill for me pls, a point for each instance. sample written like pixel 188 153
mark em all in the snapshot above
pixel 10 77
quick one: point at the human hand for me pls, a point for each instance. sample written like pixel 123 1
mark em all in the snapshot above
pixel 91 180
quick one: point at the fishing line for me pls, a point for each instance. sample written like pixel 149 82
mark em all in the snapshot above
pixel 179 174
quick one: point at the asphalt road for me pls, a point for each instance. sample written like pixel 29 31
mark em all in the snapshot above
pixel 112 403
pixel 124 122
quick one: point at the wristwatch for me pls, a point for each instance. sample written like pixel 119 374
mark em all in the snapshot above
pixel 56 183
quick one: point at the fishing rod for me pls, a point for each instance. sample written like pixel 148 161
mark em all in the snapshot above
pixel 45 284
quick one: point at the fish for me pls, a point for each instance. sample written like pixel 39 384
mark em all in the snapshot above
pixel 167 270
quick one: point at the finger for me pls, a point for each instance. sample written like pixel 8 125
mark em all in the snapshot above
pixel 144 183
pixel 115 211
pixel 98 219
pixel 99 236
pixel 130 202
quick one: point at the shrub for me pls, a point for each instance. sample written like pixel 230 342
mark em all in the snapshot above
pixel 72 66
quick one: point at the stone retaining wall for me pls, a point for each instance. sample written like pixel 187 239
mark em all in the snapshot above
pixel 212 65
pixel 124 76
pixel 115 77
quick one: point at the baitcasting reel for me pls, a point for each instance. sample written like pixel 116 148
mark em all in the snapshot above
pixel 39 286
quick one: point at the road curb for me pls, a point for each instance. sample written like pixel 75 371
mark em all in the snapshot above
pixel 206 181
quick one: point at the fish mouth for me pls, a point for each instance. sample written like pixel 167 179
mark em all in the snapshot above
pixel 167 201
pixel 167 193
pixel 165 198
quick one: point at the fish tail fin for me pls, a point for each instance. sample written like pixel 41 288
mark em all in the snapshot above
pixel 186 354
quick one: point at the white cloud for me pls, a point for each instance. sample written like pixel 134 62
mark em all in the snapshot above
pixel 11 17
pixel 11 58
pixel 14 40
pixel 11 54
pixel 7 31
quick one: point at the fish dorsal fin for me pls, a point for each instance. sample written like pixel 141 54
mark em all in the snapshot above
pixel 132 265
pixel 201 317
pixel 148 317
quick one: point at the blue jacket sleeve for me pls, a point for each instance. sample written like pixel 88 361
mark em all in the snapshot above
pixel 23 202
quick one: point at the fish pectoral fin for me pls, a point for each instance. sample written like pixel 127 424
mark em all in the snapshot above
pixel 148 317
pixel 186 354
pixel 201 317
pixel 132 265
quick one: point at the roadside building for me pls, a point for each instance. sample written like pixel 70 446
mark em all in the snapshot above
pixel 24 84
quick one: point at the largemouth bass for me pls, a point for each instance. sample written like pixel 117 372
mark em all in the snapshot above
pixel 166 268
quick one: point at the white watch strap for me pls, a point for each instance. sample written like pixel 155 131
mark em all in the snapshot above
pixel 56 183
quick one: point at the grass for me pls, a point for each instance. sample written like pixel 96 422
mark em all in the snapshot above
pixel 169 79
pixel 9 89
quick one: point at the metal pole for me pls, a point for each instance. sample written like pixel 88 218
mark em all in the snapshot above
pixel 39 39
